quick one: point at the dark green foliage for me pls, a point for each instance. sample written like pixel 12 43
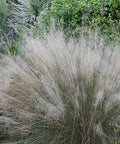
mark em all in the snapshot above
pixel 72 14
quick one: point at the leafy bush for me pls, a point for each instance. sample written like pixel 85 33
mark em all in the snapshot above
pixel 72 14
pixel 60 93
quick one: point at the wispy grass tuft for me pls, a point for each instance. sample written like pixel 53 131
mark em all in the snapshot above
pixel 58 92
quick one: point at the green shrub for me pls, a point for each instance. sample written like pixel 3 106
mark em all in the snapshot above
pixel 72 14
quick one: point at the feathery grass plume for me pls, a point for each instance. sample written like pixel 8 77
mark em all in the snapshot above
pixel 58 92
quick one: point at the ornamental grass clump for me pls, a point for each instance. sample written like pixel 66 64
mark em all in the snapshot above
pixel 58 92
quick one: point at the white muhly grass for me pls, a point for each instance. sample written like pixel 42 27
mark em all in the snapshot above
pixel 70 85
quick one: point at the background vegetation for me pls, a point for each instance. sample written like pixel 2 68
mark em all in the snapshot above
pixel 17 16
pixel 93 13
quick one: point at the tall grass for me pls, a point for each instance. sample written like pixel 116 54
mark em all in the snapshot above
pixel 58 92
